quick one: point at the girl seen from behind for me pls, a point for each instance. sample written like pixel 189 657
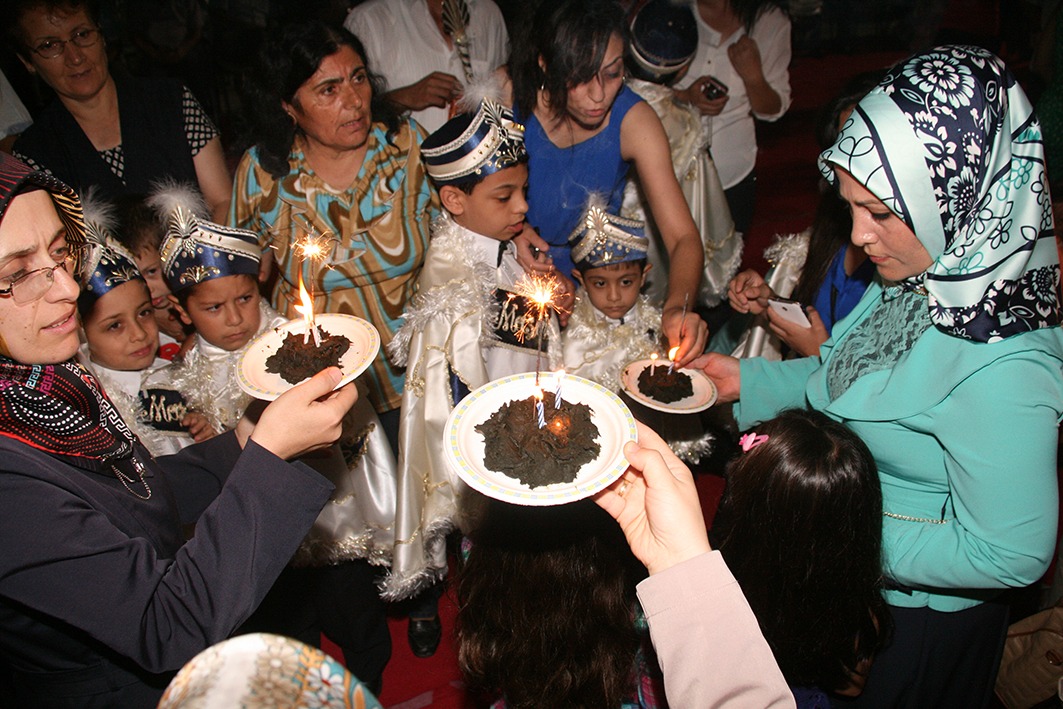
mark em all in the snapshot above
pixel 800 526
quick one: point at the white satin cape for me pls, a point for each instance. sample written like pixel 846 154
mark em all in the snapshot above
pixel 447 328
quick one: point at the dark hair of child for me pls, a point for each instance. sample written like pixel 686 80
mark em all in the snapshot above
pixel 290 56
pixel 468 187
pixel 640 262
pixel 832 225
pixel 800 526
pixel 185 293
pixel 546 608
pixel 571 37
pixel 139 228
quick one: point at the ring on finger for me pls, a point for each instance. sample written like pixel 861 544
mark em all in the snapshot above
pixel 622 489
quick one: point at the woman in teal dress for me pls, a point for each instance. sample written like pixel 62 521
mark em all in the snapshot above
pixel 949 370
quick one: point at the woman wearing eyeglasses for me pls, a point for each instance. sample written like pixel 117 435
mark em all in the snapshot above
pixel 101 597
pixel 119 133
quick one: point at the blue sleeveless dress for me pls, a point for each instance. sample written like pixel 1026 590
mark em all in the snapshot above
pixel 560 179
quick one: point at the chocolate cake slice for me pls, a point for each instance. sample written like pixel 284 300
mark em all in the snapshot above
pixel 517 447
pixel 656 383
pixel 296 360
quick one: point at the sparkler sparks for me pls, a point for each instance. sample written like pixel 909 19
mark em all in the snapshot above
pixel 542 291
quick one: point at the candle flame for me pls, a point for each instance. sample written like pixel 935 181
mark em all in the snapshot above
pixel 672 352
pixel 306 308
pixel 539 393
pixel 654 357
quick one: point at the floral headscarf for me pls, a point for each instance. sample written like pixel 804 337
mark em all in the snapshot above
pixel 949 142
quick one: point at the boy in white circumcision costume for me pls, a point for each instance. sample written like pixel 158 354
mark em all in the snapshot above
pixel 465 327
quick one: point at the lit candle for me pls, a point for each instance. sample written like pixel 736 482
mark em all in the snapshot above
pixel 671 356
pixel 653 364
pixel 313 248
pixel 306 307
pixel 558 376
pixel 539 408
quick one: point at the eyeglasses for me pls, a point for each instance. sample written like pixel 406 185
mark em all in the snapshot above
pixel 51 48
pixel 31 286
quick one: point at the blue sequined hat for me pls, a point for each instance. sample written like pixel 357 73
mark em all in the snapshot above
pixel 664 37
pixel 602 238
pixel 111 266
pixel 473 145
pixel 196 250
pixel 106 262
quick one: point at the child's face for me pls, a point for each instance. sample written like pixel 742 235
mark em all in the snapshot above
pixel 121 329
pixel 224 310
pixel 613 289
pixel 496 207
pixel 150 265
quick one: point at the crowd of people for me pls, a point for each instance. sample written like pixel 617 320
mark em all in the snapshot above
pixel 872 515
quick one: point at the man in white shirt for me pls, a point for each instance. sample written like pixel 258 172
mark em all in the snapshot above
pixel 406 44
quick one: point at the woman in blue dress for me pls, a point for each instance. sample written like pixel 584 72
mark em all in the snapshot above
pixel 584 130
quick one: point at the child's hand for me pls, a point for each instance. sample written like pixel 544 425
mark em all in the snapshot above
pixel 566 298
pixel 198 425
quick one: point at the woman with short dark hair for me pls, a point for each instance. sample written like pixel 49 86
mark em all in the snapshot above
pixel 120 134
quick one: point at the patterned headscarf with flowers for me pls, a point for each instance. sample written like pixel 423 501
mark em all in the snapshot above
pixel 949 142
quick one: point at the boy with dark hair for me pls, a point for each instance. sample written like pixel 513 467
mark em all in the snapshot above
pixel 612 324
pixel 328 587
pixel 465 327
pixel 141 231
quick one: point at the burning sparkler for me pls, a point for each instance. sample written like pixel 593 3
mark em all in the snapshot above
pixel 541 291
pixel 314 248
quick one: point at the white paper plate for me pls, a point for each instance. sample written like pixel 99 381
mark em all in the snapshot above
pixel 464 447
pixel 251 373
pixel 703 397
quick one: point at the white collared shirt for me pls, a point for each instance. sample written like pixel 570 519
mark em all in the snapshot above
pixel 734 137
pixel 405 45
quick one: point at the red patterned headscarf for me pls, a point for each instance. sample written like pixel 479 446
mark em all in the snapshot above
pixel 57 408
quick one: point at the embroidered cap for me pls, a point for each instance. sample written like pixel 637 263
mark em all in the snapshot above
pixel 196 250
pixel 107 263
pixel 602 238
pixel 472 146
pixel 664 37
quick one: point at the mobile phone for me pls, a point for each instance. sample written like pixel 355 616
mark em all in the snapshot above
pixel 790 310
pixel 714 88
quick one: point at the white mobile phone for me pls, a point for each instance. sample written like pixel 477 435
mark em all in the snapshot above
pixel 790 311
